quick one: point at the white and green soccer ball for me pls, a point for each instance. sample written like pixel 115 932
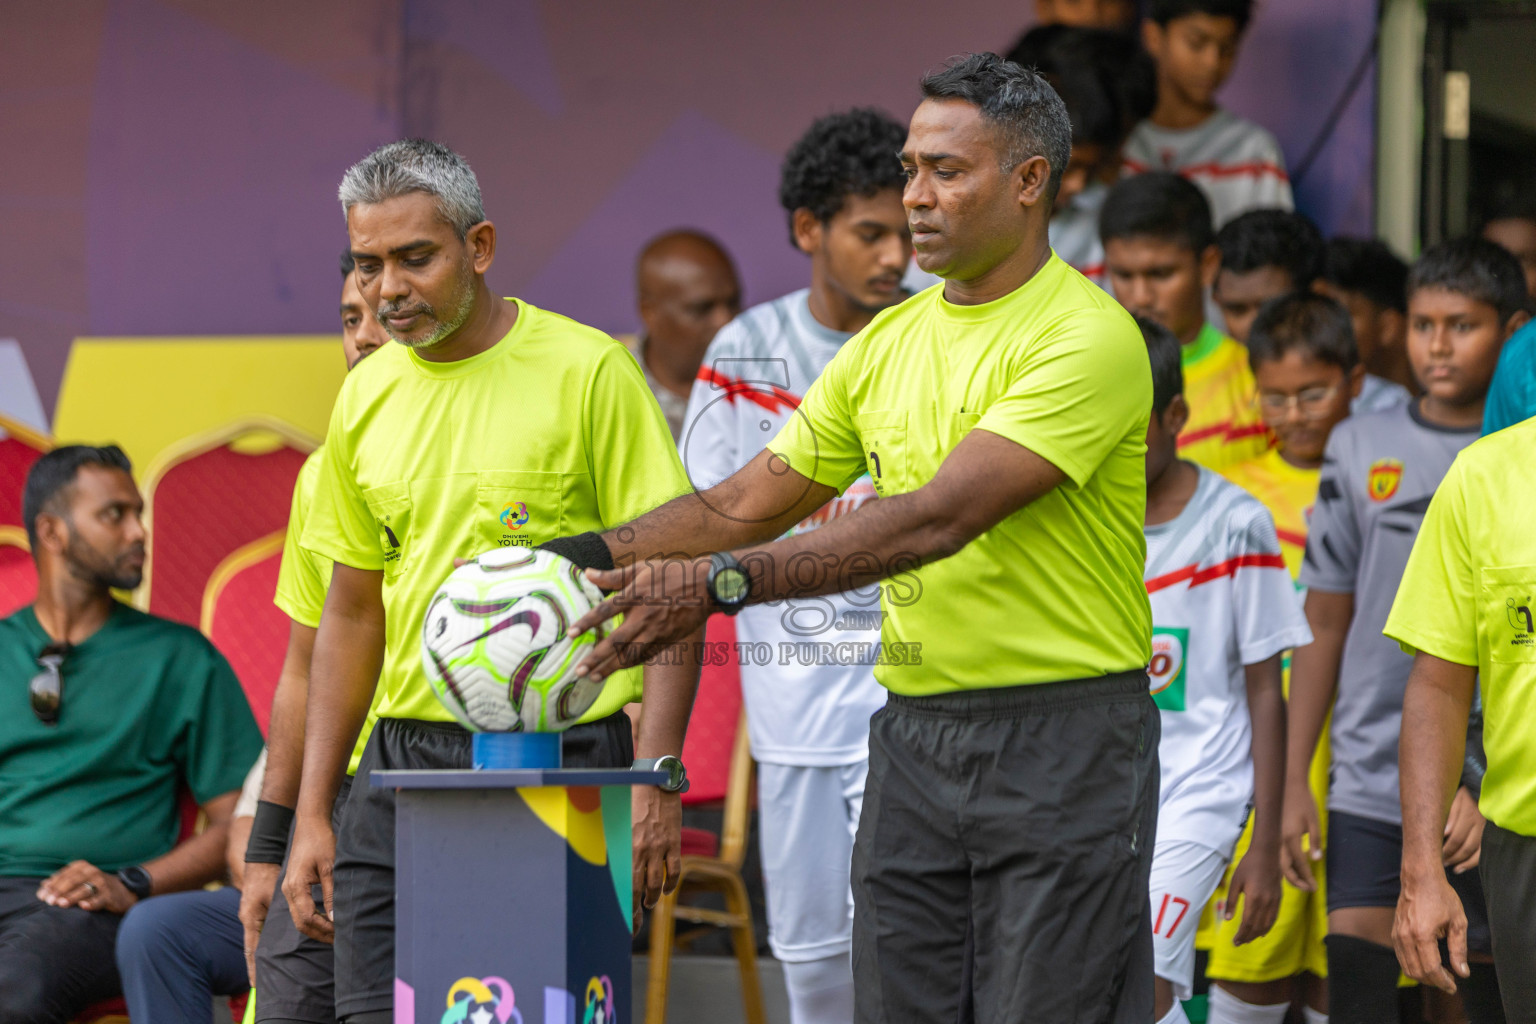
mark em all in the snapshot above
pixel 494 647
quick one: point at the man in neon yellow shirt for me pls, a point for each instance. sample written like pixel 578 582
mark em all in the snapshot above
pixel 1161 256
pixel 1002 418
pixel 482 405
pixel 1464 610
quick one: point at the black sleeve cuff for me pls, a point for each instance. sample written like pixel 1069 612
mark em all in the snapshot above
pixel 269 834
pixel 587 550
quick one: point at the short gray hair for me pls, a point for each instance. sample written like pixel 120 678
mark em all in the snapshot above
pixel 1027 112
pixel 416 165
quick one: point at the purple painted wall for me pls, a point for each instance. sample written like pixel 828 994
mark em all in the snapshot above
pixel 169 166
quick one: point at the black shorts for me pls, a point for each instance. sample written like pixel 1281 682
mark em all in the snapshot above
pixel 1365 862
pixel 364 895
pixel 1027 815
pixel 295 974
pixel 1365 858
pixel 1508 867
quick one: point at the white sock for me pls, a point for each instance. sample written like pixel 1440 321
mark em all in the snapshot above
pixel 820 991
pixel 1314 1016
pixel 1175 1015
pixel 1226 1008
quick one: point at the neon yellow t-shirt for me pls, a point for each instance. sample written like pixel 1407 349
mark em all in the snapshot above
pixel 1288 492
pixel 1468 596
pixel 1054 591
pixel 1224 428
pixel 303 577
pixel 548 433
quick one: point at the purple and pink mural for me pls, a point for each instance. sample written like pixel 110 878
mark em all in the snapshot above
pixel 170 166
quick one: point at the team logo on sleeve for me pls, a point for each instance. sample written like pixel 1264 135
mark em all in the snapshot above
pixel 1167 667
pixel 1383 479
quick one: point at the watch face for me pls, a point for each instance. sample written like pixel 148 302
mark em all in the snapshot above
pixel 730 585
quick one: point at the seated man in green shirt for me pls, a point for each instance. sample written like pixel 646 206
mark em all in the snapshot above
pixel 110 713
pixel 1002 418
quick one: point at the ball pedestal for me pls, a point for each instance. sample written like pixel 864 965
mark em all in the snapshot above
pixel 513 898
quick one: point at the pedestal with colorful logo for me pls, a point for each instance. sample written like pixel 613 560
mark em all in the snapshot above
pixel 513 897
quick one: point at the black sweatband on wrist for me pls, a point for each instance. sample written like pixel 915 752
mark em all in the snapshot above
pixel 269 834
pixel 587 550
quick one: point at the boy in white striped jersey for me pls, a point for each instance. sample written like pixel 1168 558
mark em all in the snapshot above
pixel 1223 612
pixel 1236 162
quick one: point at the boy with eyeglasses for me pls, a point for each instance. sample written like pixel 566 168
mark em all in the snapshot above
pixel 1307 371
pixel 97 737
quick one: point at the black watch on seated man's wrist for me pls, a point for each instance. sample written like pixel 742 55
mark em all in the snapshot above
pixel 728 584
pixel 137 881
pixel 677 775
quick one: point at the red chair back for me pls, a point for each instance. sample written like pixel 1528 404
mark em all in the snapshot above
pixel 18 576
pixel 20 446
pixel 243 623
pixel 716 713
pixel 203 505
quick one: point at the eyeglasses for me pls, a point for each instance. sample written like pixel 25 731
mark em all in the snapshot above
pixel 1311 402
pixel 47 687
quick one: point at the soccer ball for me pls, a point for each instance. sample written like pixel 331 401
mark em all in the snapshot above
pixel 494 647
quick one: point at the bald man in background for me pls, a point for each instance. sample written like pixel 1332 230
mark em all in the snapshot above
pixel 688 290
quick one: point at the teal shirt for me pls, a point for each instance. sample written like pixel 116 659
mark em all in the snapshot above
pixel 1512 397
pixel 149 706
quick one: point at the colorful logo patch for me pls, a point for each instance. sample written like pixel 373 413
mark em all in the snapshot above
pixel 1166 670
pixel 599 1003
pixel 1385 475
pixel 514 516
pixel 481 1001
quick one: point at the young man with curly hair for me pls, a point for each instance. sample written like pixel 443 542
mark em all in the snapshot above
pixel 809 719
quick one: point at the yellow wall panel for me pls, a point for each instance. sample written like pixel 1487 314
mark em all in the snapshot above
pixel 147 394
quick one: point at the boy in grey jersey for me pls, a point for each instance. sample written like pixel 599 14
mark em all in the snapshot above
pixel 1379 474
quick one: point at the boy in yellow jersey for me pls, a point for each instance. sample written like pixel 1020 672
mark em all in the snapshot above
pixel 1307 370
pixel 1161 255
pixel 484 405
pixel 294 972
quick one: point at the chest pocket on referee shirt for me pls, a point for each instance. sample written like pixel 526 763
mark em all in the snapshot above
pixel 518 508
pixel 1507 609
pixel 390 505
pixel 884 439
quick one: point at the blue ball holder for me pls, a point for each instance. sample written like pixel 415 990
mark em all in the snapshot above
pixel 516 750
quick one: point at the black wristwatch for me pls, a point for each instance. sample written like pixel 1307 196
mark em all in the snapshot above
pixel 677 775
pixel 728 584
pixel 136 880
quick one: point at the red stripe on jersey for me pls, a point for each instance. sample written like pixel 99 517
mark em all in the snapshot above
pixel 1092 270
pixel 1190 437
pixel 1196 575
pixel 1256 169
pixel 766 395
pixel 1252 430
pixel 1253 169
pixel 1291 537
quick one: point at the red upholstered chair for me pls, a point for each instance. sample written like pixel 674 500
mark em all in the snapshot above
pixel 18 576
pixel 20 446
pixel 209 496
pixel 243 623
pixel 719 760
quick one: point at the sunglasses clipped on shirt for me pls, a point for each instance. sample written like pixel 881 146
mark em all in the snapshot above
pixel 47 687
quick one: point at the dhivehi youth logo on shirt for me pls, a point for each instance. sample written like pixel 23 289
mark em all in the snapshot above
pixel 1167 667
pixel 1518 610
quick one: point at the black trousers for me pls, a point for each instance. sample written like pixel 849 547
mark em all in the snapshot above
pixel 1028 815
pixel 54 961
pixel 364 893
pixel 1508 868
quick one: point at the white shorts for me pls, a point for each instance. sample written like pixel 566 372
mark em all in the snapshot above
pixel 1184 877
pixel 807 818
